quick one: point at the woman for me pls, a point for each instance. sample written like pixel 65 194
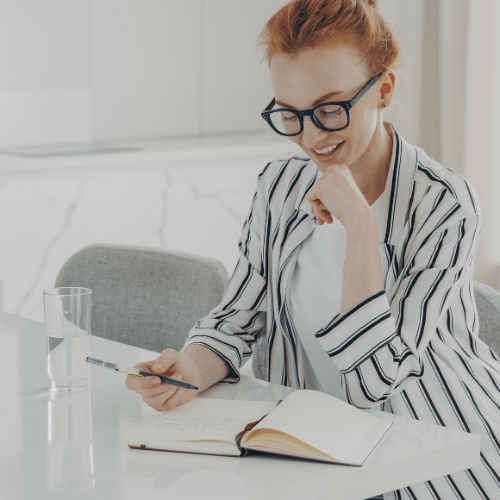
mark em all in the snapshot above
pixel 376 306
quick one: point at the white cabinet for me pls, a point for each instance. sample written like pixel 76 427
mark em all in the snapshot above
pixel 44 72
pixel 235 86
pixel 98 70
pixel 145 67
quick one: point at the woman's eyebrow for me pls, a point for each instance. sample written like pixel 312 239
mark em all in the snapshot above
pixel 317 101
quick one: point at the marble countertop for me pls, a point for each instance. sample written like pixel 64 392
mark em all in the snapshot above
pixel 54 447
pixel 141 152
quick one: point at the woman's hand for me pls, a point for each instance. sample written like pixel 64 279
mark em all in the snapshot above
pixel 164 397
pixel 336 193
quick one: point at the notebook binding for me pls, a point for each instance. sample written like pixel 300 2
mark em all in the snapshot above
pixel 248 428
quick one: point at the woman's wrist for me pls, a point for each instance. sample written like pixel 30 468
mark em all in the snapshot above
pixel 362 276
pixel 361 220
pixel 211 366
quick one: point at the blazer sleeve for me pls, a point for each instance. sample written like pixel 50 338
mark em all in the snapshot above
pixel 236 323
pixel 379 345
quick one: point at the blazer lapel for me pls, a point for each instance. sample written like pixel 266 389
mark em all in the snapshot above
pixel 287 350
pixel 399 186
pixel 301 224
pixel 398 191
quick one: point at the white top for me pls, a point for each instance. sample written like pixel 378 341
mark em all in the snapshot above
pixel 315 296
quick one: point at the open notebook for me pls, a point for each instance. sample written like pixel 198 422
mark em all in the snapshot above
pixel 306 424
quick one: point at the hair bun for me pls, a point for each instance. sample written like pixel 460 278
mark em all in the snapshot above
pixel 371 3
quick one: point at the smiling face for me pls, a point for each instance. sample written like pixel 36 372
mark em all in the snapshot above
pixel 329 74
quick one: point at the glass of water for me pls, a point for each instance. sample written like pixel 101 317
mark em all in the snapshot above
pixel 70 458
pixel 67 327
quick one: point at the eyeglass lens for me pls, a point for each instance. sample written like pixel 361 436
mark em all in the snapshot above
pixel 288 122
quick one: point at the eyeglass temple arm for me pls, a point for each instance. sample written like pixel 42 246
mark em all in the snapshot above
pixel 270 105
pixel 352 102
pixel 364 90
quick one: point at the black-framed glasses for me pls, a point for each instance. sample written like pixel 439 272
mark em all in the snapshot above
pixel 329 116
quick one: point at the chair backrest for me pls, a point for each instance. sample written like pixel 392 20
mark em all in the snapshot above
pixel 488 308
pixel 259 358
pixel 145 297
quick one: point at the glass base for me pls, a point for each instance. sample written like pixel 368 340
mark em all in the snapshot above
pixel 66 388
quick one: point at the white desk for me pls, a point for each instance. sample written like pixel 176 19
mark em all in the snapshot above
pixel 76 447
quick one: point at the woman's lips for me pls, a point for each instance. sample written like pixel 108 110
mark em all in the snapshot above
pixel 331 156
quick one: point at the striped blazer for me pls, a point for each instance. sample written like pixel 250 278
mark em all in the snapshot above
pixel 411 349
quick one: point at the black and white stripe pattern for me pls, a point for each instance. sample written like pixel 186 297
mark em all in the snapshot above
pixel 412 348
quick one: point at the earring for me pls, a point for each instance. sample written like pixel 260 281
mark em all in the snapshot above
pixel 383 105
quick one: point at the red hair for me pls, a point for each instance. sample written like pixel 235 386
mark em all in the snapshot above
pixel 305 24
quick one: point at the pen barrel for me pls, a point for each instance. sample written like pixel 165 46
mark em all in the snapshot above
pixel 169 381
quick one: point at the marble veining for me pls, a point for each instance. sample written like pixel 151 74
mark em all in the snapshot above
pixel 70 211
pixel 195 205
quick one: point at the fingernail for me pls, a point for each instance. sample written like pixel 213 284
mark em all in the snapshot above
pixel 154 381
pixel 156 367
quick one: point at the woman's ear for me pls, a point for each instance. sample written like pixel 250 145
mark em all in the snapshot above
pixel 387 88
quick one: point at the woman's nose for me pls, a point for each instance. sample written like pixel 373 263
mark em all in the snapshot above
pixel 311 134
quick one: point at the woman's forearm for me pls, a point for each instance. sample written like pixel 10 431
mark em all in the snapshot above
pixel 362 275
pixel 212 367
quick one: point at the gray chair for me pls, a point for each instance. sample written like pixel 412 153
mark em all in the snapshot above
pixel 145 297
pixel 151 298
pixel 488 308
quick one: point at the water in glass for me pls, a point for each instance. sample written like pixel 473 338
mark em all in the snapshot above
pixel 67 352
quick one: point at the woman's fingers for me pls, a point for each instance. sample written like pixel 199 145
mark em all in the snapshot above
pixel 327 216
pixel 137 383
pixel 175 400
pixel 164 364
pixel 157 396
pixel 159 399
pixel 324 216
pixel 166 361
pixel 160 396
pixel 157 388
pixel 154 385
pixel 321 213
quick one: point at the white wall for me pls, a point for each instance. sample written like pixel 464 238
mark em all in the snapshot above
pixel 133 69
pixel 45 91
pixel 482 130
pixel 407 22
pixel 145 66
pixel 130 69
pixel 84 70
pixel 234 87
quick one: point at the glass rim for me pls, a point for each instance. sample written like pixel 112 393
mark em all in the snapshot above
pixel 53 291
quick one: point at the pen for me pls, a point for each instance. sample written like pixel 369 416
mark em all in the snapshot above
pixel 142 373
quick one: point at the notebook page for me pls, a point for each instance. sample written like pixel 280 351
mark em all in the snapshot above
pixel 203 419
pixel 322 421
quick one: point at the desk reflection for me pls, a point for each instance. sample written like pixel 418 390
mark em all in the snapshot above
pixel 70 462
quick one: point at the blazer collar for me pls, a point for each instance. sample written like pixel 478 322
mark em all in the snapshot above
pixel 396 194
